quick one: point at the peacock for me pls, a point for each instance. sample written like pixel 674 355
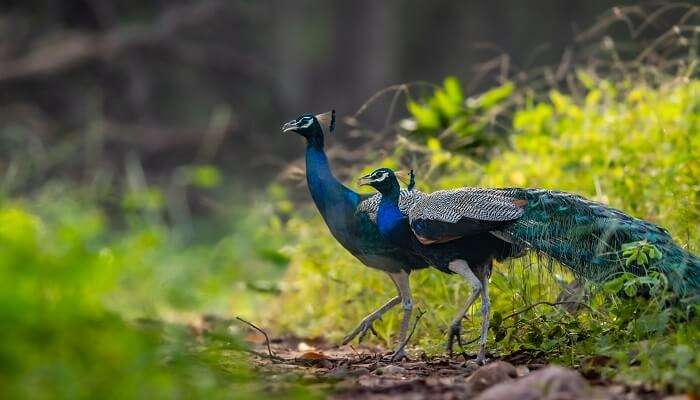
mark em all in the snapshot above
pixel 351 217
pixel 470 256
pixel 462 230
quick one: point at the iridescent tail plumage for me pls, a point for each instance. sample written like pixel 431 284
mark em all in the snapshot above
pixel 588 238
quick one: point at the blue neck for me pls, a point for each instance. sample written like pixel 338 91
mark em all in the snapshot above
pixel 335 201
pixel 393 225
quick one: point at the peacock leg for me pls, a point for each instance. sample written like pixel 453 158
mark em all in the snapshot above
pixel 485 309
pixel 462 268
pixel 403 284
pixel 366 323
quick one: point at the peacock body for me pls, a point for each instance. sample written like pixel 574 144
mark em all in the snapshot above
pixel 476 248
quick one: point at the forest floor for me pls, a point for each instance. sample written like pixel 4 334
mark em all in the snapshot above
pixel 366 372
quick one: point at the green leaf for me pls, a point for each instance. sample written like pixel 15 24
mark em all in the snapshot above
pixel 642 259
pixel 655 253
pixel 496 320
pixel 205 176
pixel 425 117
pixel 496 95
pixel 447 107
pixel 453 90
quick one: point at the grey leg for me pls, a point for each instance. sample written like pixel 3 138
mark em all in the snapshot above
pixel 403 284
pixel 462 268
pixel 485 308
pixel 366 323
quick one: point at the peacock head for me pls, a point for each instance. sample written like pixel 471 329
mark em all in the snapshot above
pixel 311 126
pixel 386 181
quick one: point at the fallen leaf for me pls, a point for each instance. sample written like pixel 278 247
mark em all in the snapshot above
pixel 313 355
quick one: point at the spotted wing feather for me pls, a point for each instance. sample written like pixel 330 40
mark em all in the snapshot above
pixel 449 214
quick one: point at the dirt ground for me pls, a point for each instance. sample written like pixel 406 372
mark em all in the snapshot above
pixel 349 372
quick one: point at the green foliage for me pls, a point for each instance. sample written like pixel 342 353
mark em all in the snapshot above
pixel 640 253
pixel 74 290
pixel 202 176
pixel 629 144
pixel 465 126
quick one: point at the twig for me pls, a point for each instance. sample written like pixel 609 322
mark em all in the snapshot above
pixel 267 338
pixel 471 341
pixel 410 335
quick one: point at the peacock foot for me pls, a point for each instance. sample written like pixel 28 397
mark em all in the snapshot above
pixel 481 359
pixel 455 333
pixel 361 330
pixel 399 355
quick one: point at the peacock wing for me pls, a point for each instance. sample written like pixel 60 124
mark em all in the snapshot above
pixel 450 214
pixel 370 205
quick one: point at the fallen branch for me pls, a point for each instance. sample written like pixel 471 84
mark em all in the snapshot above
pixel 267 340
pixel 410 335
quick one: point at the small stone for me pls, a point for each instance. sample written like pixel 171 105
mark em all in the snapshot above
pixel 359 371
pixel 522 370
pixel 546 384
pixel 491 374
pixel 470 366
pixel 344 372
pixel 302 346
pixel 617 389
pixel 447 372
pixel 341 372
pixel 415 364
pixel 390 370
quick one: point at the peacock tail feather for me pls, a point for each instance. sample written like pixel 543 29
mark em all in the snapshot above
pixel 590 239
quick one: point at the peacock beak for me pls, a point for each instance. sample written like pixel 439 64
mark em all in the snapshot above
pixel 289 126
pixel 365 180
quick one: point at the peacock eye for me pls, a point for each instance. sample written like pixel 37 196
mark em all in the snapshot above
pixel 305 122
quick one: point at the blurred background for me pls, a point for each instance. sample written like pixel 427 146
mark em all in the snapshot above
pixel 147 195
pixel 179 82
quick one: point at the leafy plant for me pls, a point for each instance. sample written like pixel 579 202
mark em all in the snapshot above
pixel 640 253
pixel 464 125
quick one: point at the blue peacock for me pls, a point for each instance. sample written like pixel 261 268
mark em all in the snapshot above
pixel 463 230
pixel 356 230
